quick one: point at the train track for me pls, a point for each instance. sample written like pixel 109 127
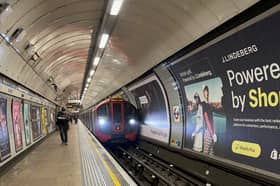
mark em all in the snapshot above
pixel 149 170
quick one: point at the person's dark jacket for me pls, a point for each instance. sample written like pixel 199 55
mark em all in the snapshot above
pixel 62 120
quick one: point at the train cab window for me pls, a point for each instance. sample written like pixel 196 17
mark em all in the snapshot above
pixel 103 110
pixel 117 113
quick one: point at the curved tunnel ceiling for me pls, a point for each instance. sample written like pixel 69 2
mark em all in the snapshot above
pixel 145 33
pixel 60 32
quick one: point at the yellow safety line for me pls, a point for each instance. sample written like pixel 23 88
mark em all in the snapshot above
pixel 109 170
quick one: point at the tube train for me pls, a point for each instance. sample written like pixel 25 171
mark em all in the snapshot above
pixel 113 120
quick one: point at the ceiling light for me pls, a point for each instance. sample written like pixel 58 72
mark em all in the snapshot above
pixel 116 7
pixel 18 35
pixel 91 73
pixel 87 85
pixel 96 61
pixel 5 12
pixel 88 80
pixel 103 41
pixel 4 7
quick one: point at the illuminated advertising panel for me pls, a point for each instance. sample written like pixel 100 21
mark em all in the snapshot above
pixel 5 150
pixel 27 123
pixel 231 96
pixel 43 121
pixel 16 114
pixel 35 122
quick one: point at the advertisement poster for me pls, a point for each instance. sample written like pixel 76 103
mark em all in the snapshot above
pixel 4 132
pixel 16 114
pixel 152 104
pixel 27 123
pixel 52 120
pixel 35 122
pixel 47 124
pixel 44 129
pixel 231 96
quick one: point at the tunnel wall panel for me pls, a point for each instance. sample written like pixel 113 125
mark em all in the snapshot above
pixel 14 67
pixel 175 106
pixel 152 103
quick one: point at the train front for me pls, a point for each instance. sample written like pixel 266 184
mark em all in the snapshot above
pixel 118 122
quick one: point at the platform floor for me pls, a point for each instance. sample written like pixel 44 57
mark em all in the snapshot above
pixel 48 164
pixel 82 162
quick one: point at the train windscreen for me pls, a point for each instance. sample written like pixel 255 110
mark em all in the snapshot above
pixel 103 119
pixel 117 113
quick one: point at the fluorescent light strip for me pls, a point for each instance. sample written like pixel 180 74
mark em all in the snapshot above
pixel 116 7
pixel 96 61
pixel 103 41
pixel 88 80
pixel 91 73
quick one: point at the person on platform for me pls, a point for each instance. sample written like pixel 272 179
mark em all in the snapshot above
pixel 63 125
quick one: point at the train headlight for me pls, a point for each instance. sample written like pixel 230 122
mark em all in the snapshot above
pixel 132 121
pixel 101 122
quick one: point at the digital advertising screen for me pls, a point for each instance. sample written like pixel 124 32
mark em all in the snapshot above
pixel 38 117
pixel 17 125
pixel 5 150
pixel 231 96
pixel 27 123
pixel 52 119
pixel 47 126
pixel 35 122
pixel 43 122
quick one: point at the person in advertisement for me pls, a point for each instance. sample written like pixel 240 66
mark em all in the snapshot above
pixel 210 137
pixel 63 125
pixel 197 135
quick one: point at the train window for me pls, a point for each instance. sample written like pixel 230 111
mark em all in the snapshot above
pixel 103 110
pixel 117 113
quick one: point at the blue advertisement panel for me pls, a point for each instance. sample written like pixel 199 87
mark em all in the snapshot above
pixel 5 150
pixel 231 96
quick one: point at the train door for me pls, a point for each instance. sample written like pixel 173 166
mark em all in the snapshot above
pixel 117 117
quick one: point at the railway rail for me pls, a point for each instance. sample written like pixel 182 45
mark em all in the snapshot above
pixel 149 170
